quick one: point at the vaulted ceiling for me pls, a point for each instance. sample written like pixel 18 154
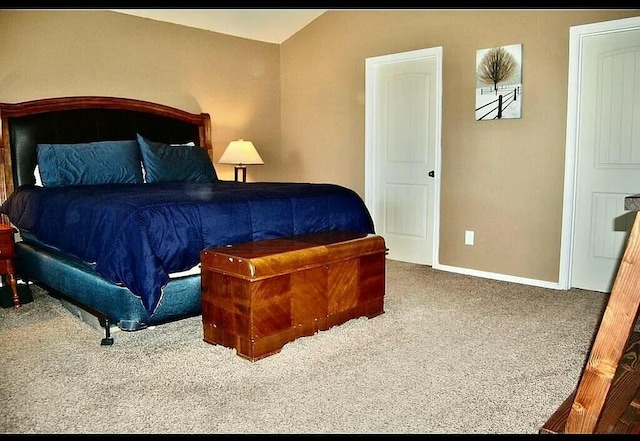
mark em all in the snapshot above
pixel 268 25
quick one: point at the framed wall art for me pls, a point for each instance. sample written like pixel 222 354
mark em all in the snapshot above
pixel 499 82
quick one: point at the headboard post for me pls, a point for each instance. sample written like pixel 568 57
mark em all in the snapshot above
pixel 6 180
pixel 205 134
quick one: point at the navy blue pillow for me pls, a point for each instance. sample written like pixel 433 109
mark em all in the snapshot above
pixel 101 162
pixel 165 162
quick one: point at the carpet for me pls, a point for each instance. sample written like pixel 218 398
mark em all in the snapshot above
pixel 451 354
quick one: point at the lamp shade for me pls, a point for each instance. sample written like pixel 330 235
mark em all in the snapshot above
pixel 241 152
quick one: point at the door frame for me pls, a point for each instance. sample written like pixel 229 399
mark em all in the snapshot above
pixel 576 34
pixel 371 74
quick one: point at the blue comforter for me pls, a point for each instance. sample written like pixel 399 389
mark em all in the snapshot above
pixel 136 234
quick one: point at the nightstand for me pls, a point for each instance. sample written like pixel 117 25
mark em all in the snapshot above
pixel 7 254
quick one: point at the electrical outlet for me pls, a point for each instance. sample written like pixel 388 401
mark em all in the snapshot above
pixel 468 237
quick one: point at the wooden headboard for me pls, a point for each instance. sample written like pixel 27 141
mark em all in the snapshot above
pixel 85 119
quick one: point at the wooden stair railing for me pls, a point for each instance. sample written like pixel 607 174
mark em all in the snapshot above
pixel 607 399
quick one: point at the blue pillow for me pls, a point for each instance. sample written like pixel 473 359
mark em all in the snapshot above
pixel 101 162
pixel 165 162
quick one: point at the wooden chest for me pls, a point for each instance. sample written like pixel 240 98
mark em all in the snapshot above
pixel 258 296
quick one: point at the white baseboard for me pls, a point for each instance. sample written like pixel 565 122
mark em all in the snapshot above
pixel 498 276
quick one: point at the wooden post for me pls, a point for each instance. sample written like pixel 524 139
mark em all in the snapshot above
pixel 616 326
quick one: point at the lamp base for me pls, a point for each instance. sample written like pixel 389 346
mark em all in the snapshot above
pixel 236 172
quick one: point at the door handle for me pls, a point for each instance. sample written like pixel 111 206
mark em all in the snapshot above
pixel 432 174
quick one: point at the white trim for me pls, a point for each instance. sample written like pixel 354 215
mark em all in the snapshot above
pixel 498 276
pixel 435 262
pixel 370 176
pixel 371 73
pixel 576 35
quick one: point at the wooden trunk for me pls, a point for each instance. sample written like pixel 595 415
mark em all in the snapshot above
pixel 258 296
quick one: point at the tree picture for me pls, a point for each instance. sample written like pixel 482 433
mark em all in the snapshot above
pixel 499 82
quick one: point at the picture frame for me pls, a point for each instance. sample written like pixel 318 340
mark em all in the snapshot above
pixel 499 83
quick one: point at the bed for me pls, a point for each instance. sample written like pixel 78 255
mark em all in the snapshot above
pixel 122 240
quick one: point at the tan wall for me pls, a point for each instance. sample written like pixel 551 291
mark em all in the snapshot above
pixel 62 53
pixel 302 103
pixel 502 179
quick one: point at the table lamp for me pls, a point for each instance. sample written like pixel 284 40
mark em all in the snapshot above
pixel 241 153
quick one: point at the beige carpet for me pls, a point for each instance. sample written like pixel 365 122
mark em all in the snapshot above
pixel 451 354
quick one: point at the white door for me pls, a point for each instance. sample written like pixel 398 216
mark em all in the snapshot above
pixel 607 148
pixel 403 122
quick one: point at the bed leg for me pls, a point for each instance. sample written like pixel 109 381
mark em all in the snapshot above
pixel 107 340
